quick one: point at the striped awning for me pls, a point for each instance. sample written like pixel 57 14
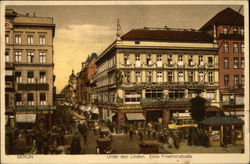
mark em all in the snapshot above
pixel 135 116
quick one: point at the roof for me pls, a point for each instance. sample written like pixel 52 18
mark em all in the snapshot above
pixel 168 35
pixel 222 120
pixel 93 56
pixel 226 17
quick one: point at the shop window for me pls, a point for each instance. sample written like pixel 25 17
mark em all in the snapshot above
pixel 176 94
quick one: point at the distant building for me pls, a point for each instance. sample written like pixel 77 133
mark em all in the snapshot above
pixel 29 65
pixel 155 72
pixel 72 82
pixel 227 28
pixel 84 80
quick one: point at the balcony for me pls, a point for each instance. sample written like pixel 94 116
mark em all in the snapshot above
pixel 231 36
pixel 148 101
pixel 28 87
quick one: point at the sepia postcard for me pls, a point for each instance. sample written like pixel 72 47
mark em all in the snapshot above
pixel 124 82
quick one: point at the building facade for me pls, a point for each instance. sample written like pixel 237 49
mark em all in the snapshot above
pixel 155 72
pixel 29 50
pixel 227 27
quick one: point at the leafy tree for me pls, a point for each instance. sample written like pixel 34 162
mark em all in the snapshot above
pixel 198 108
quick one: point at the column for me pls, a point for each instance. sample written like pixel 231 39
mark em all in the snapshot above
pixel 143 76
pixel 186 93
pixel 143 93
pixel 221 134
pixel 165 94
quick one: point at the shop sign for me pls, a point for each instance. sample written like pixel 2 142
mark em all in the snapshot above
pixel 131 109
pixel 35 108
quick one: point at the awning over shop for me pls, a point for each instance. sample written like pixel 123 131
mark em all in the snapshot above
pixel 221 120
pixel 95 110
pixel 25 118
pixel 135 116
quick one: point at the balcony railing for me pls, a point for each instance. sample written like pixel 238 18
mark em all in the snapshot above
pixel 231 36
pixel 148 101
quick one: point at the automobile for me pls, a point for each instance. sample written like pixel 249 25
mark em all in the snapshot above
pixel 149 147
pixel 104 141
pixel 104 146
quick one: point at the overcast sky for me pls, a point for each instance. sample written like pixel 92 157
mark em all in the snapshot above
pixel 81 30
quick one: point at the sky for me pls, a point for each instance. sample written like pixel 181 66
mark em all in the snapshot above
pixel 82 30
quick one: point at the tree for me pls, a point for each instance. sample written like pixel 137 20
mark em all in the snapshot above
pixel 198 108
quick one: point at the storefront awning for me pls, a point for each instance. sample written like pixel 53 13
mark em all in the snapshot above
pixel 25 118
pixel 135 116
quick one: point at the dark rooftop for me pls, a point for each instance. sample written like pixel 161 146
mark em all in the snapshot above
pixel 222 120
pixel 227 17
pixel 168 35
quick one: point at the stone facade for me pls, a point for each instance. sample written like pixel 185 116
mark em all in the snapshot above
pixel 29 48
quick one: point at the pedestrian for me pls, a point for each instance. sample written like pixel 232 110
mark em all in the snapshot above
pixel 170 141
pixel 140 134
pixel 176 141
pixel 75 146
pixel 131 132
pixel 34 147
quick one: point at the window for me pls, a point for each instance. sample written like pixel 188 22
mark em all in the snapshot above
pixel 236 80
pixel 7 56
pixel 170 60
pixel 242 31
pixel 42 99
pixel 235 48
pixel 18 76
pixel 170 77
pixel 42 77
pixel 30 99
pixel 18 39
pixel 126 59
pixel 242 63
pixel 18 99
pixel 225 30
pixel 191 76
pixel 242 80
pixel 201 77
pixel 126 77
pixel 235 30
pixel 210 94
pixel 159 61
pixel 42 57
pixel 154 94
pixel 132 97
pixel 18 56
pixel 190 60
pixel 6 39
pixel 137 60
pixel 42 39
pixel 210 60
pixel 180 76
pixel 225 47
pixel 30 39
pixel 159 76
pixel 30 77
pixel 137 42
pixel 242 48
pixel 176 94
pixel 138 77
pixel 30 57
pixel 200 60
pixel 148 60
pixel 180 60
pixel 226 80
pixel 226 63
pixel 7 100
pixel 236 62
pixel 210 77
pixel 149 77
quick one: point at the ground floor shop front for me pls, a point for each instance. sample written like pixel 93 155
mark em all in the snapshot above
pixel 139 113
